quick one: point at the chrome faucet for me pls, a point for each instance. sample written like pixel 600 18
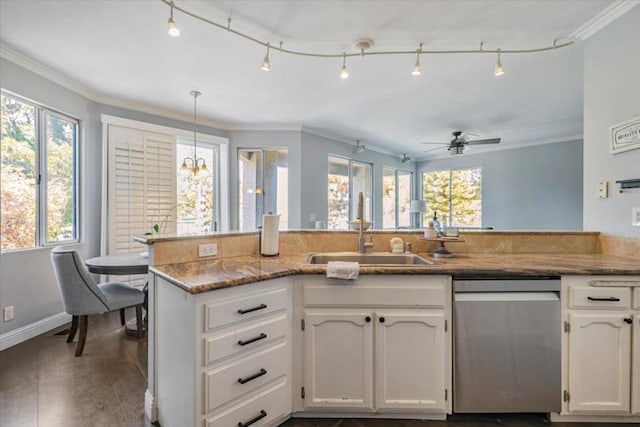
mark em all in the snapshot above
pixel 362 245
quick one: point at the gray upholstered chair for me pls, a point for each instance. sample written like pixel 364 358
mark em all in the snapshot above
pixel 82 296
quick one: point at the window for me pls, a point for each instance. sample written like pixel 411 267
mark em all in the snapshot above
pixel 347 178
pixel 396 198
pixel 39 197
pixel 456 196
pixel 195 201
pixel 263 187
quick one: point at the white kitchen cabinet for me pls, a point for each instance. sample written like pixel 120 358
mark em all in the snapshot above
pixel 410 359
pixel 599 363
pixel 338 359
pixel 223 357
pixel 601 349
pixel 380 344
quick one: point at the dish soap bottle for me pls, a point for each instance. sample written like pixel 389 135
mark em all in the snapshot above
pixel 436 224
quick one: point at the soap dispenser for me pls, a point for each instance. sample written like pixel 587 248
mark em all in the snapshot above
pixel 436 223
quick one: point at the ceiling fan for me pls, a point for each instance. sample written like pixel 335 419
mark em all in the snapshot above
pixel 459 141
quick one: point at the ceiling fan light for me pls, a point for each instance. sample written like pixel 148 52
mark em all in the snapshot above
pixel 456 150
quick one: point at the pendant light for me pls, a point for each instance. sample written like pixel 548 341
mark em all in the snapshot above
pixel 499 68
pixel 266 64
pixel 417 68
pixel 194 164
pixel 344 73
pixel 172 28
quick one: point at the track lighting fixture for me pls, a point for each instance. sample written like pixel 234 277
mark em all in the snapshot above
pixel 405 158
pixel 499 68
pixel 417 69
pixel 194 164
pixel 359 148
pixel 266 65
pixel 362 45
pixel 344 73
pixel 172 28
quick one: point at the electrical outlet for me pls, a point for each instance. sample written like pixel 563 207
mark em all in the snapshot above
pixel 7 313
pixel 603 189
pixel 635 217
pixel 209 249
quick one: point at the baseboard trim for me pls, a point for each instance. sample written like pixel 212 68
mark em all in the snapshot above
pixel 11 338
pixel 555 417
pixel 150 407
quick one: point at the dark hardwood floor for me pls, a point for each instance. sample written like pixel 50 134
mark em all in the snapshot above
pixel 43 384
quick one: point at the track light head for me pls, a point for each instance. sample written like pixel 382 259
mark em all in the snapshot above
pixel 499 70
pixel 417 69
pixel 405 158
pixel 344 73
pixel 359 148
pixel 266 64
pixel 172 28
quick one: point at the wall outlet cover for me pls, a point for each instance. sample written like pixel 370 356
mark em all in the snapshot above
pixel 603 192
pixel 7 313
pixel 635 217
pixel 208 249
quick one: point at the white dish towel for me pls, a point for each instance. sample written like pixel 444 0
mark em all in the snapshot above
pixel 343 270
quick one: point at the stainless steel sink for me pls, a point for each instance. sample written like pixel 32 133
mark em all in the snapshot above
pixel 380 259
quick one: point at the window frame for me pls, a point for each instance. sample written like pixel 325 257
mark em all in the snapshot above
pixel 350 162
pixel 450 217
pixel 397 172
pixel 40 134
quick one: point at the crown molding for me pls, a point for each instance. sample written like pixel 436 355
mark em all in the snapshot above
pixel 73 85
pixel 265 127
pixel 604 18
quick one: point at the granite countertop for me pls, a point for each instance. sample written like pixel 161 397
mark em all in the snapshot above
pixel 202 276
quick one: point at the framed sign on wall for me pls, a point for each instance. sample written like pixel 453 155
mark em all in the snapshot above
pixel 624 136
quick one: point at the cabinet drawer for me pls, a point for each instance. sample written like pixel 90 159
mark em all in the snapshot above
pixel 232 380
pixel 268 406
pixel 245 307
pixel 592 297
pixel 354 296
pixel 244 340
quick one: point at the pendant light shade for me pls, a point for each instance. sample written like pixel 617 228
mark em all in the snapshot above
pixel 194 164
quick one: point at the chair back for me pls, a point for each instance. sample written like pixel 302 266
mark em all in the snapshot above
pixel 80 293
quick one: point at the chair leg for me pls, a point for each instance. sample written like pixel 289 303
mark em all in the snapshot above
pixel 139 320
pixel 84 323
pixel 74 328
pixel 122 319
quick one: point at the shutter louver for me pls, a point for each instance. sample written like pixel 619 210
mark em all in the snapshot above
pixel 141 188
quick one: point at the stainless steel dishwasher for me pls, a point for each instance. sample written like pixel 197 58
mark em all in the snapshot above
pixel 507 345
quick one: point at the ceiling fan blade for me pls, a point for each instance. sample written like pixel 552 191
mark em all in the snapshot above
pixel 433 149
pixel 484 141
pixel 436 143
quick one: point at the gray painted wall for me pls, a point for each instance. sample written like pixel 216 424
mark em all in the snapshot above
pixel 315 152
pixel 611 96
pixel 531 188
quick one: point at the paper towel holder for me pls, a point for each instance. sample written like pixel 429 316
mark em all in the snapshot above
pixel 260 242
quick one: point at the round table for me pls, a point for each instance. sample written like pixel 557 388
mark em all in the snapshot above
pixel 122 264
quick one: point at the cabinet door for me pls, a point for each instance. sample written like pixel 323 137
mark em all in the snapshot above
pixel 338 359
pixel 410 360
pixel 599 363
pixel 635 392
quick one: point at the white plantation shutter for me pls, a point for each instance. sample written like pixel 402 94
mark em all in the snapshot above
pixel 141 186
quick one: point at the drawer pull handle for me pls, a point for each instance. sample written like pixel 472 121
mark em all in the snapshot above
pixel 252 377
pixel 628 320
pixel 249 310
pixel 249 341
pixel 255 419
pixel 612 299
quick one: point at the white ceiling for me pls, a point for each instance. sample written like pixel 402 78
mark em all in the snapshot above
pixel 120 49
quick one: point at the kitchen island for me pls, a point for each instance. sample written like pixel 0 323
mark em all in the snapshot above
pixel 274 347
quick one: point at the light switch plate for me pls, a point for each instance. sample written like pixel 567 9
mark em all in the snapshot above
pixel 208 249
pixel 7 313
pixel 603 192
pixel 635 217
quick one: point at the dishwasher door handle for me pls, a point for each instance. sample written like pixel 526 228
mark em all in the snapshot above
pixel 506 296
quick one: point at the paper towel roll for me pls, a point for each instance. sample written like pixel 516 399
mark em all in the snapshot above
pixel 269 235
